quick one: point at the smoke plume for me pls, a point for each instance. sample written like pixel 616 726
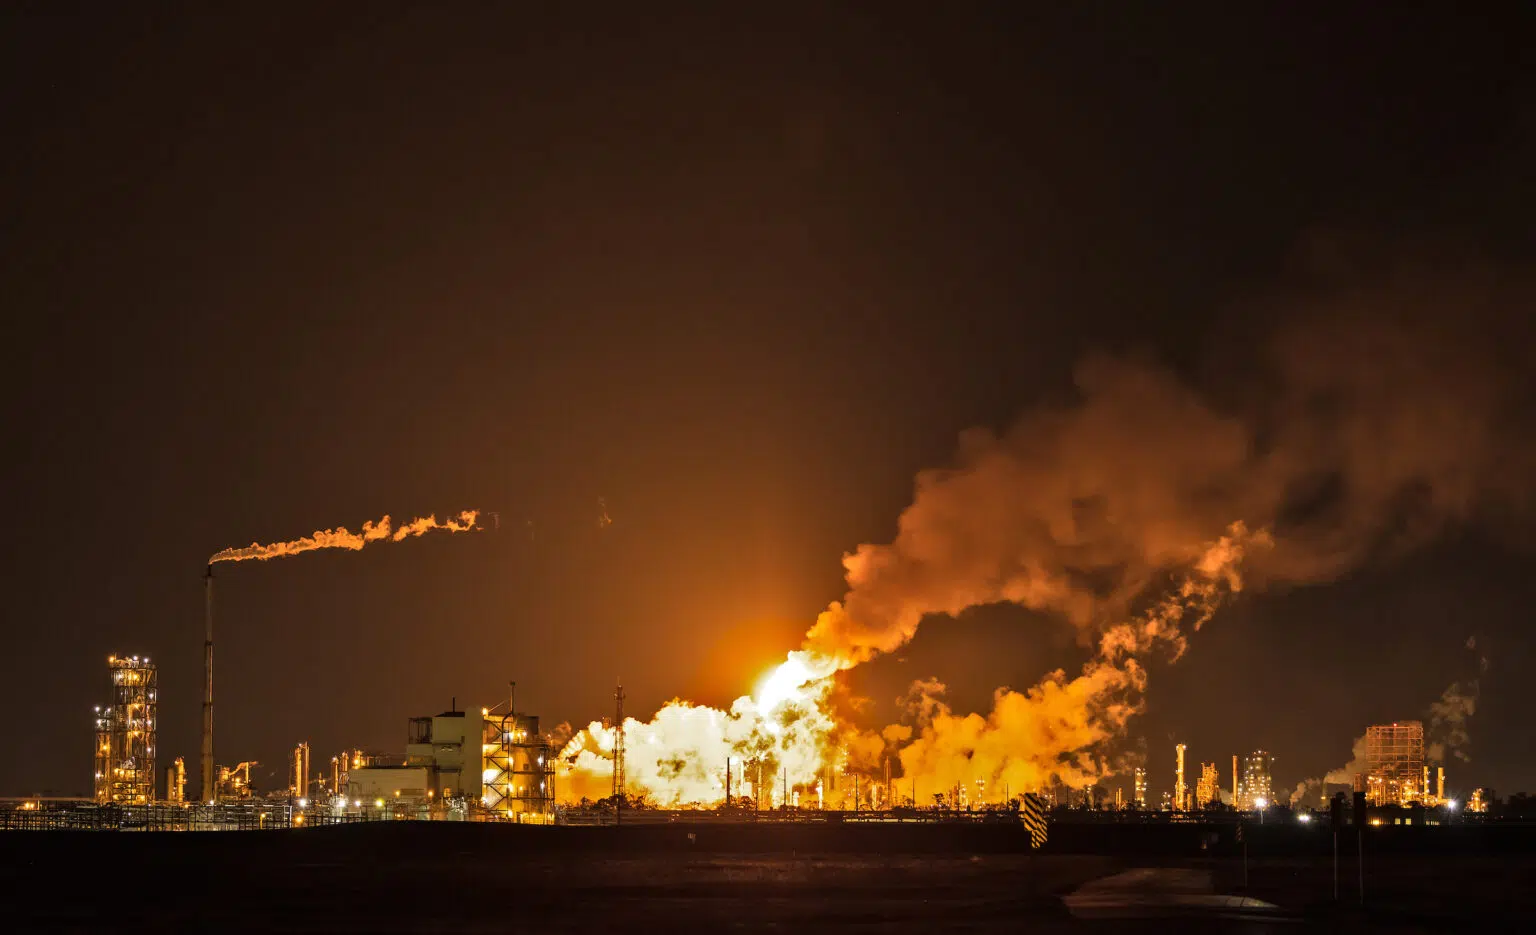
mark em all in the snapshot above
pixel 1447 732
pixel 1387 413
pixel 1057 730
pixel 1373 417
pixel 342 538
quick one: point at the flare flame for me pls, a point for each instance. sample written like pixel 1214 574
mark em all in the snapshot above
pixel 342 538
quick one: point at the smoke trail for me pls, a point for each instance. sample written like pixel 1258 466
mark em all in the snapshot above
pixel 342 538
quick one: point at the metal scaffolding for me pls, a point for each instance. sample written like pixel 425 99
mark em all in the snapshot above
pixel 125 735
pixel 1394 754
pixel 519 769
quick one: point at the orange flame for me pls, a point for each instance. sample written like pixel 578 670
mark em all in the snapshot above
pixel 342 538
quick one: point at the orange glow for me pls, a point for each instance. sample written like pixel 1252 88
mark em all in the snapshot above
pixel 785 736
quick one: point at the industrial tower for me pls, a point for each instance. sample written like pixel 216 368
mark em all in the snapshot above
pixel 618 743
pixel 125 735
pixel 1180 791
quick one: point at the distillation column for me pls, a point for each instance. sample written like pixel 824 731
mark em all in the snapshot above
pixel 1179 789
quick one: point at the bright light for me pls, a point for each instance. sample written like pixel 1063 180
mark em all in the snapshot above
pixel 1451 805
pixel 378 803
pixel 1304 817
pixel 1261 803
pixel 784 682
pixel 1375 822
pixel 356 803
pixel 303 803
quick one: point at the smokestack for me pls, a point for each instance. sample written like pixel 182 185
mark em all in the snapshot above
pixel 1440 791
pixel 1234 780
pixel 1178 783
pixel 206 762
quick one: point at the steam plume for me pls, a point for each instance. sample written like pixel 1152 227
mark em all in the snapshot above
pixel 1447 732
pixel 342 538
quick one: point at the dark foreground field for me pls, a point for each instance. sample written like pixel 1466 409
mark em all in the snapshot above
pixel 407 877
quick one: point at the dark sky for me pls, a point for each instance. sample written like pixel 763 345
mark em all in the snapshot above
pixel 741 276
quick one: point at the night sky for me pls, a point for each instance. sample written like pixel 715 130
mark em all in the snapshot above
pixel 739 277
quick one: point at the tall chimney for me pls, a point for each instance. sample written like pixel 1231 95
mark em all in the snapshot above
pixel 206 762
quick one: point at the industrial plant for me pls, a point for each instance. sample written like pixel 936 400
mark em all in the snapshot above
pixel 495 764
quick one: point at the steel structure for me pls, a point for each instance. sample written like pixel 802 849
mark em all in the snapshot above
pixel 125 735
pixel 618 743
pixel 1257 789
pixel 1206 786
pixel 1141 787
pixel 1394 755
pixel 519 769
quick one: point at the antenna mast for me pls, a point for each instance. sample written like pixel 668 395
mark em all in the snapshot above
pixel 618 742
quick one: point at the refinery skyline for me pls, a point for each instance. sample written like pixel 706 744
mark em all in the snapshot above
pixel 1393 769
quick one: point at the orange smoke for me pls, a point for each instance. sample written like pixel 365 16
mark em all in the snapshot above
pixel 342 538
pixel 1051 732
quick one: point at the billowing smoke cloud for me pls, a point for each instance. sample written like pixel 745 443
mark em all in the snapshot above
pixel 342 538
pixel 1387 413
pixel 1074 511
pixel 679 756
pixel 1057 730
